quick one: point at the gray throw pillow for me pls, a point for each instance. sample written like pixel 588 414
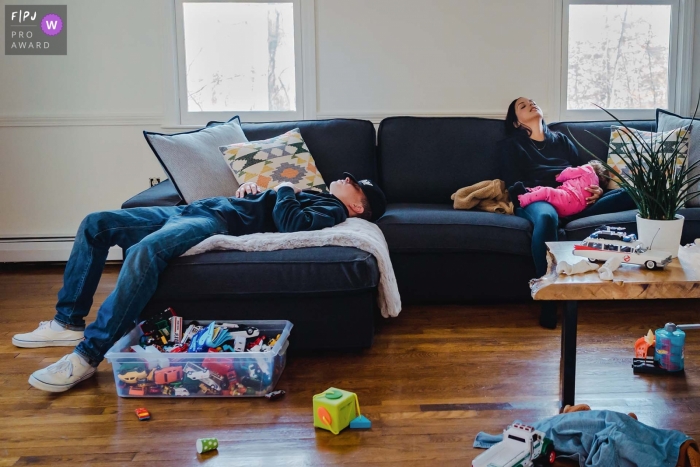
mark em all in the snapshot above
pixel 193 161
pixel 666 121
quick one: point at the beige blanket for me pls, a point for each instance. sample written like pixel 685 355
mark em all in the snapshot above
pixel 353 232
pixel 489 195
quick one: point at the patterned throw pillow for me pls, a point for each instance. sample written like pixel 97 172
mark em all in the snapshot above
pixel 269 162
pixel 621 137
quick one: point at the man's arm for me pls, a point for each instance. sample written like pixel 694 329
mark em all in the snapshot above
pixel 290 217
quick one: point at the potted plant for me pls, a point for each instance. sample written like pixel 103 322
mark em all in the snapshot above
pixel 655 182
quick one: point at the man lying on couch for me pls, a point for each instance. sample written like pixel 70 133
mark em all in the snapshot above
pixel 151 237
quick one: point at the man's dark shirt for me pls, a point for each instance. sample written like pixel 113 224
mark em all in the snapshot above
pixel 279 211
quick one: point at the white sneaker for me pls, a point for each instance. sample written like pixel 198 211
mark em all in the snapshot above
pixel 47 336
pixel 62 375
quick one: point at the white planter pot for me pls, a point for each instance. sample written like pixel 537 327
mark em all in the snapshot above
pixel 661 235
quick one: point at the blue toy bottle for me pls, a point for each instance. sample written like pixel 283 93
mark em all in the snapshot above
pixel 670 345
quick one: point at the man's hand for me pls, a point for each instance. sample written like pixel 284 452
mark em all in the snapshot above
pixel 289 184
pixel 595 192
pixel 247 188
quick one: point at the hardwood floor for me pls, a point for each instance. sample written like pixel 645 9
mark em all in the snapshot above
pixel 435 377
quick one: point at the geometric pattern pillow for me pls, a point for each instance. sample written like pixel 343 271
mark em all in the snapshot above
pixel 666 142
pixel 269 162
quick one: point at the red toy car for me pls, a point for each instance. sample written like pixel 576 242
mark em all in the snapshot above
pixel 167 375
pixel 142 414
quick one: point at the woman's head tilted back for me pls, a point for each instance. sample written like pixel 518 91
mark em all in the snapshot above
pixel 523 116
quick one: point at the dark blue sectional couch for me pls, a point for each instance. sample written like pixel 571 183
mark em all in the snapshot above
pixel 440 255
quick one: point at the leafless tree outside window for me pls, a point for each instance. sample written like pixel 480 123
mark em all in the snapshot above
pixel 618 56
pixel 240 56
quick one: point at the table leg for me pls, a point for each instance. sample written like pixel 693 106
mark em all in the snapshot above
pixel 567 370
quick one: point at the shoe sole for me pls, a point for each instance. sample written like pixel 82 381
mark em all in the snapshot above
pixel 53 387
pixel 37 344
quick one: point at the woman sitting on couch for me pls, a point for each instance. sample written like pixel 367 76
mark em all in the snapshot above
pixel 533 156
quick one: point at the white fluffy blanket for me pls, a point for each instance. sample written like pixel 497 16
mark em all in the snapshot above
pixel 353 232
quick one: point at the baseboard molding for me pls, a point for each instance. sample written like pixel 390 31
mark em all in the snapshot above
pixel 35 250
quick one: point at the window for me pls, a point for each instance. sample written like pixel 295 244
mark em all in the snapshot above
pixel 621 55
pixel 239 58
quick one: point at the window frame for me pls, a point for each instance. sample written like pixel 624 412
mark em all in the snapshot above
pixel 304 47
pixel 680 61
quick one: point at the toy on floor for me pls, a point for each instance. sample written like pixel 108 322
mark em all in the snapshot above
pixel 662 352
pixel 207 444
pixel 335 410
pixel 143 414
pixel 608 242
pixel 522 445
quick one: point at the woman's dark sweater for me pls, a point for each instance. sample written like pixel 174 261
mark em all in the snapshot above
pixel 525 165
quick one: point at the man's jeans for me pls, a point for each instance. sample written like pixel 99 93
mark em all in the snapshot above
pixel 150 237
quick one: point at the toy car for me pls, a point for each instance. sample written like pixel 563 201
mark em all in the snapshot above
pixel 132 373
pixel 274 395
pixel 142 414
pixel 244 331
pixel 181 392
pixel 205 376
pixel 522 446
pixel 602 245
pixel 168 375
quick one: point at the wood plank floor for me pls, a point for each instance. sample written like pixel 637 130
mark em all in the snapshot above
pixel 435 377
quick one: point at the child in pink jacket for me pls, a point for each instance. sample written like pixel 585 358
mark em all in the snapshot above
pixel 569 198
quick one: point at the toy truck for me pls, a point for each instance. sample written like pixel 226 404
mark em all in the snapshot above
pixel 522 446
pixel 608 242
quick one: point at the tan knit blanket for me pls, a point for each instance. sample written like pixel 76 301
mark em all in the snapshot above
pixel 489 195
pixel 353 232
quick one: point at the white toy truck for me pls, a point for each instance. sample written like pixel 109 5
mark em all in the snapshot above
pixel 522 446
pixel 607 242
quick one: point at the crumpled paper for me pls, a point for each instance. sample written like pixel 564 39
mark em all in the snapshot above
pixel 576 268
pixel 605 272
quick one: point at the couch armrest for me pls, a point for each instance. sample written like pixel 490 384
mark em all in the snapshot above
pixel 163 194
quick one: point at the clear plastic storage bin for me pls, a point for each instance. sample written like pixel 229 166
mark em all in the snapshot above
pixel 212 374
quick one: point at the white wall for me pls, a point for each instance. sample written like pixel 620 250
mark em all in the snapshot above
pixel 389 57
pixel 70 126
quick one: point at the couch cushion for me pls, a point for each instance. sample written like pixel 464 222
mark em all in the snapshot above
pixel 425 160
pixel 666 121
pixel 601 129
pixel 193 162
pixel 580 228
pixel 280 159
pixel 440 228
pixel 338 145
pixel 320 270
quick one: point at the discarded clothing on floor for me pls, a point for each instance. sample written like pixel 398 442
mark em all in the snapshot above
pixel 603 438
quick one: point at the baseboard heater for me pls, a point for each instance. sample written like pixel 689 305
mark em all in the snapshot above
pixel 40 249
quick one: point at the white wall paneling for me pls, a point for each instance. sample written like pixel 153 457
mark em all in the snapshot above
pixel 70 126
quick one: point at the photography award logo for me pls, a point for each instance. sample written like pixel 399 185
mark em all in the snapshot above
pixel 36 29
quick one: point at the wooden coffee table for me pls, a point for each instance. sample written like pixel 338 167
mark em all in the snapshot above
pixel 679 279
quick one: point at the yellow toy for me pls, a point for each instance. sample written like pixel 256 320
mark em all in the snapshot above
pixel 334 409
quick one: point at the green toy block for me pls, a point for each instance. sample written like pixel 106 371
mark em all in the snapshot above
pixel 334 409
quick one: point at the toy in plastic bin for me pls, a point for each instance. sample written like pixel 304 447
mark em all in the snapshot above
pixel 522 445
pixel 335 410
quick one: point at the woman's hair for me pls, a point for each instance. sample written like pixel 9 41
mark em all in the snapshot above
pixel 512 119
pixel 601 172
